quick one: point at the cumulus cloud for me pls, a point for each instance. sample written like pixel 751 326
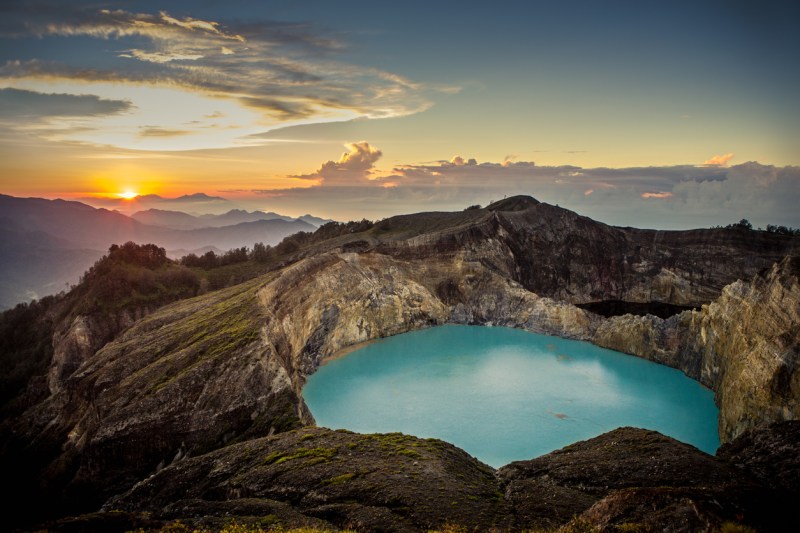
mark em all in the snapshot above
pixel 353 167
pixel 460 161
pixel 670 197
pixel 719 160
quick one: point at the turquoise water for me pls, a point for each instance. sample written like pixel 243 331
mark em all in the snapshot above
pixel 503 394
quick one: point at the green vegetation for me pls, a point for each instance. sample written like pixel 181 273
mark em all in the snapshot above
pixel 745 224
pixel 317 455
pixel 336 480
pixel 128 277
pixel 132 275
pixel 228 322
pixel 26 333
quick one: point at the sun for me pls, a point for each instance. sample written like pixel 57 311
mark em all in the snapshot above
pixel 128 195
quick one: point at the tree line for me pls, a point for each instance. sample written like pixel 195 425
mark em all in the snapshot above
pixel 771 228
pixel 262 253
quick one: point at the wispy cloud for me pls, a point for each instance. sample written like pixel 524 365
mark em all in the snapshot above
pixel 277 73
pixel 31 104
pixel 661 195
pixel 155 131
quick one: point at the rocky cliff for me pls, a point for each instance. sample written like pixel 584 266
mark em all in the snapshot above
pixel 627 478
pixel 203 373
pixel 745 346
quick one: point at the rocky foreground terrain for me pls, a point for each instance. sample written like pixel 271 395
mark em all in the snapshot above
pixel 195 411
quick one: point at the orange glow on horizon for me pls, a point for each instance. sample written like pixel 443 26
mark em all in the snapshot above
pixel 128 195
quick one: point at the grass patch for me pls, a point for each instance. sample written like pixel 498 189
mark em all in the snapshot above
pixel 319 454
pixel 337 480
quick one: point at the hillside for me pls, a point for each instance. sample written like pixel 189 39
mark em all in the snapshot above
pixel 47 244
pixel 210 377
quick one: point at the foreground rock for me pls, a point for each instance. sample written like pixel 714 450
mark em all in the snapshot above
pixel 324 478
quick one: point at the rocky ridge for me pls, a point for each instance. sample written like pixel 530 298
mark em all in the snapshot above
pixel 229 366
pixel 392 482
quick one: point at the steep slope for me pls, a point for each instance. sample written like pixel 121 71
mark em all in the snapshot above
pixel 745 346
pixel 228 366
pixel 187 379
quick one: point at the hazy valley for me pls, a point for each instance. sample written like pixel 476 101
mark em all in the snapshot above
pixel 48 244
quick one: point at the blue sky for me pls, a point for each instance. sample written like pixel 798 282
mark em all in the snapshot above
pixel 251 99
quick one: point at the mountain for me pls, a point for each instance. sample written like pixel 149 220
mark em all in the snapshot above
pixel 35 264
pixel 193 203
pixel 237 216
pixel 47 244
pixel 197 197
pixel 168 219
pixel 315 221
pixel 75 222
pixel 235 236
pixel 195 411
pixel 180 220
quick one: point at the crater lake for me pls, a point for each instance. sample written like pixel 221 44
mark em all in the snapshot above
pixel 504 394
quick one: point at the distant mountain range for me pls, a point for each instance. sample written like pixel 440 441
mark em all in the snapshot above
pixel 181 220
pixel 197 203
pixel 47 244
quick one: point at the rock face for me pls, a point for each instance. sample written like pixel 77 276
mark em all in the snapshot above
pixel 393 482
pixel 745 346
pixel 80 339
pixel 207 372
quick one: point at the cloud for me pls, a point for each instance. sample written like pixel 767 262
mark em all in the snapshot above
pixel 460 161
pixel 669 197
pixel 26 104
pixel 719 160
pixel 160 57
pixel 282 109
pixel 155 131
pixel 278 73
pixel 353 166
pixel 106 23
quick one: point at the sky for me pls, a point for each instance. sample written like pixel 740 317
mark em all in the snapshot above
pixel 651 114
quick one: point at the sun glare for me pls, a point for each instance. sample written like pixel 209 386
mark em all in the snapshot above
pixel 128 195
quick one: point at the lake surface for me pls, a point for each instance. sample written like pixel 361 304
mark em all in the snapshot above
pixel 504 394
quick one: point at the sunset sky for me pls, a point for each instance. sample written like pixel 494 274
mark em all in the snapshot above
pixel 656 114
